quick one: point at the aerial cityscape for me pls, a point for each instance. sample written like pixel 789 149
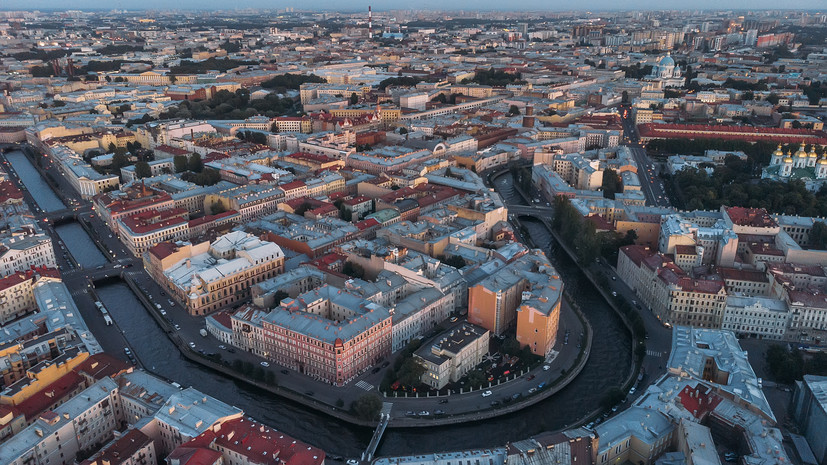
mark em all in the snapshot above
pixel 477 234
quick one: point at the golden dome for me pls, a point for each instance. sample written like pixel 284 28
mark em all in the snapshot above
pixel 800 152
pixel 823 161
pixel 813 154
pixel 778 151
pixel 788 159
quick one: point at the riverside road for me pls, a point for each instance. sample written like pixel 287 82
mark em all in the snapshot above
pixel 135 328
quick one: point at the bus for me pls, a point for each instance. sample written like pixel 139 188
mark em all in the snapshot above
pixel 108 320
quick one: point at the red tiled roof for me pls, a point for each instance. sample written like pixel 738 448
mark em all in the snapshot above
pixel 101 366
pixel 50 395
pixel 636 253
pixel 195 456
pixel 153 220
pixel 8 191
pixel 172 150
pixel 655 130
pixel 261 444
pixel 224 319
pixel 699 400
pixel 292 185
pixel 367 224
pixel 163 250
pixel 757 217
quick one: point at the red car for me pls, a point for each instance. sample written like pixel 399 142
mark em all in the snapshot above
pixel 530 377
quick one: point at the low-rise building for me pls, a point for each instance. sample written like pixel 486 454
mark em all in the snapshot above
pixel 454 353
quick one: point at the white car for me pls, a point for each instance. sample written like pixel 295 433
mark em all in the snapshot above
pixel 265 364
pixel 486 393
pixel 192 345
pixel 546 367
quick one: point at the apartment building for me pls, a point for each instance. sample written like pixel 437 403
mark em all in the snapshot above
pixel 17 292
pixel 210 276
pixel 756 317
pixel 529 291
pixel 143 230
pixel 247 442
pixel 327 333
pixel 56 437
pixel 673 296
pixel 24 252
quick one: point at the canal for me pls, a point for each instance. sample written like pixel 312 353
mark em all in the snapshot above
pixel 37 187
pixel 80 245
pixel 607 366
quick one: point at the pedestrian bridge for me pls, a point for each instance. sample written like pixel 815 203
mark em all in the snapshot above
pixel 384 418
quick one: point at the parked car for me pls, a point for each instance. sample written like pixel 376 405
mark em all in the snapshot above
pixel 265 364
pixel 546 367
pixel 486 393
pixel 192 345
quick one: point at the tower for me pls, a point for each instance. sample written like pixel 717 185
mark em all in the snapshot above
pixel 370 23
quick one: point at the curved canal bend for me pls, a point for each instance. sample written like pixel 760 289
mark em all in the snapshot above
pixel 605 369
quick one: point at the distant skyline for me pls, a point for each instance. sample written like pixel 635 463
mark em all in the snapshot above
pixel 467 5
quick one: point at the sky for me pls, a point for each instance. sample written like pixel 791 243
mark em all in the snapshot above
pixel 552 5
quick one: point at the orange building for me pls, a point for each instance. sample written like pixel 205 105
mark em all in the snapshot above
pixel 528 291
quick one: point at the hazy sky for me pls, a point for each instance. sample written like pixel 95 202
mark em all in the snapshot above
pixel 416 4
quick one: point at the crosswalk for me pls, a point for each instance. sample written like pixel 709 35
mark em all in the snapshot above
pixel 654 353
pixel 364 385
pixel 78 292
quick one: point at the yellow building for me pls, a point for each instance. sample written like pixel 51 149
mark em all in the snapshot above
pixel 211 276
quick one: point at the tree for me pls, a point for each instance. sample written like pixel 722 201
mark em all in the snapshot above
pixel 624 97
pixel 180 163
pixel 195 165
pixel 511 346
pixel 411 371
pixel 354 99
pixel 353 270
pixel 818 235
pixel 514 110
pixel 367 407
pixel 773 98
pixel 119 160
pixel 142 170
pixel 748 95
pixel 403 131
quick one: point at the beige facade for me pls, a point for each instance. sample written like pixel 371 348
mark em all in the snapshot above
pixel 454 354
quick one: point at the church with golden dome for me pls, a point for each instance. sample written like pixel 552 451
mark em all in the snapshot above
pixel 808 167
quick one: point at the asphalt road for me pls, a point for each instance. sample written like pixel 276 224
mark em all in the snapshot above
pixel 80 280
pixel 659 342
pixel 650 184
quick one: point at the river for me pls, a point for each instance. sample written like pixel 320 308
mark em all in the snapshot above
pixel 38 188
pixel 607 367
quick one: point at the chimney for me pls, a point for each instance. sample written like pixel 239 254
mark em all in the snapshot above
pixel 370 23
pixel 528 119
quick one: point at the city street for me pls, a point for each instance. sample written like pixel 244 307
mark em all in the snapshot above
pixel 651 185
pixel 80 280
